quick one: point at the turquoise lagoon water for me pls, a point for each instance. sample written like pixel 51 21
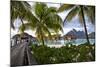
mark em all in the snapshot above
pixel 74 42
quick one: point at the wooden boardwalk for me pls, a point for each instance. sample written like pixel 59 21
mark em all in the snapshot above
pixel 21 55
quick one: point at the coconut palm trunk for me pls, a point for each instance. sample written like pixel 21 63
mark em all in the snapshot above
pixel 23 28
pixel 42 40
pixel 22 24
pixel 81 11
pixel 22 20
pixel 84 23
pixel 44 20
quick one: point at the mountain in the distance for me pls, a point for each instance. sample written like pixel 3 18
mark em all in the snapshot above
pixel 80 34
pixel 77 34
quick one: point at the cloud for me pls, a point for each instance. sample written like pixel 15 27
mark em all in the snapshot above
pixel 73 24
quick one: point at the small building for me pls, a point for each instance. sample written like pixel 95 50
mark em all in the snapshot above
pixel 25 37
pixel 69 37
pixel 53 37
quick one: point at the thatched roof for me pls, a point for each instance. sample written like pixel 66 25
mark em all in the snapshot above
pixel 23 35
pixel 15 36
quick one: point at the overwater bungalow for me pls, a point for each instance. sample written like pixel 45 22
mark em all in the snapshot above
pixel 53 37
pixel 69 37
pixel 25 37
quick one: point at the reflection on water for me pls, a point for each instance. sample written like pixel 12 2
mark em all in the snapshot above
pixel 63 42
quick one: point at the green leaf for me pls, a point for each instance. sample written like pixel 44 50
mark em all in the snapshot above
pixel 65 7
pixel 72 14
pixel 90 13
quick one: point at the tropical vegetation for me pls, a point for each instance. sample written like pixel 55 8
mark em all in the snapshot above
pixel 44 20
pixel 82 12
pixel 66 54
pixel 20 10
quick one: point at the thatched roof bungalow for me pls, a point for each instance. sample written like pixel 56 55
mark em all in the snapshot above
pixel 25 37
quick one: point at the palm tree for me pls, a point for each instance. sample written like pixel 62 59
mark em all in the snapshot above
pixel 44 20
pixel 81 11
pixel 21 10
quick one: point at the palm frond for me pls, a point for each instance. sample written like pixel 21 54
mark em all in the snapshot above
pixel 65 7
pixel 39 33
pixel 80 17
pixel 52 9
pixel 22 28
pixel 39 9
pixel 46 31
pixel 72 14
pixel 19 9
pixel 90 13
pixel 12 25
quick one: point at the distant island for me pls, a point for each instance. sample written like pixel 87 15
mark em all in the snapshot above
pixel 74 34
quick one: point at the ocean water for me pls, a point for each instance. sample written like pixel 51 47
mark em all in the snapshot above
pixel 74 42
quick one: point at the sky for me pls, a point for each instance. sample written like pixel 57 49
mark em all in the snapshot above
pixel 68 26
